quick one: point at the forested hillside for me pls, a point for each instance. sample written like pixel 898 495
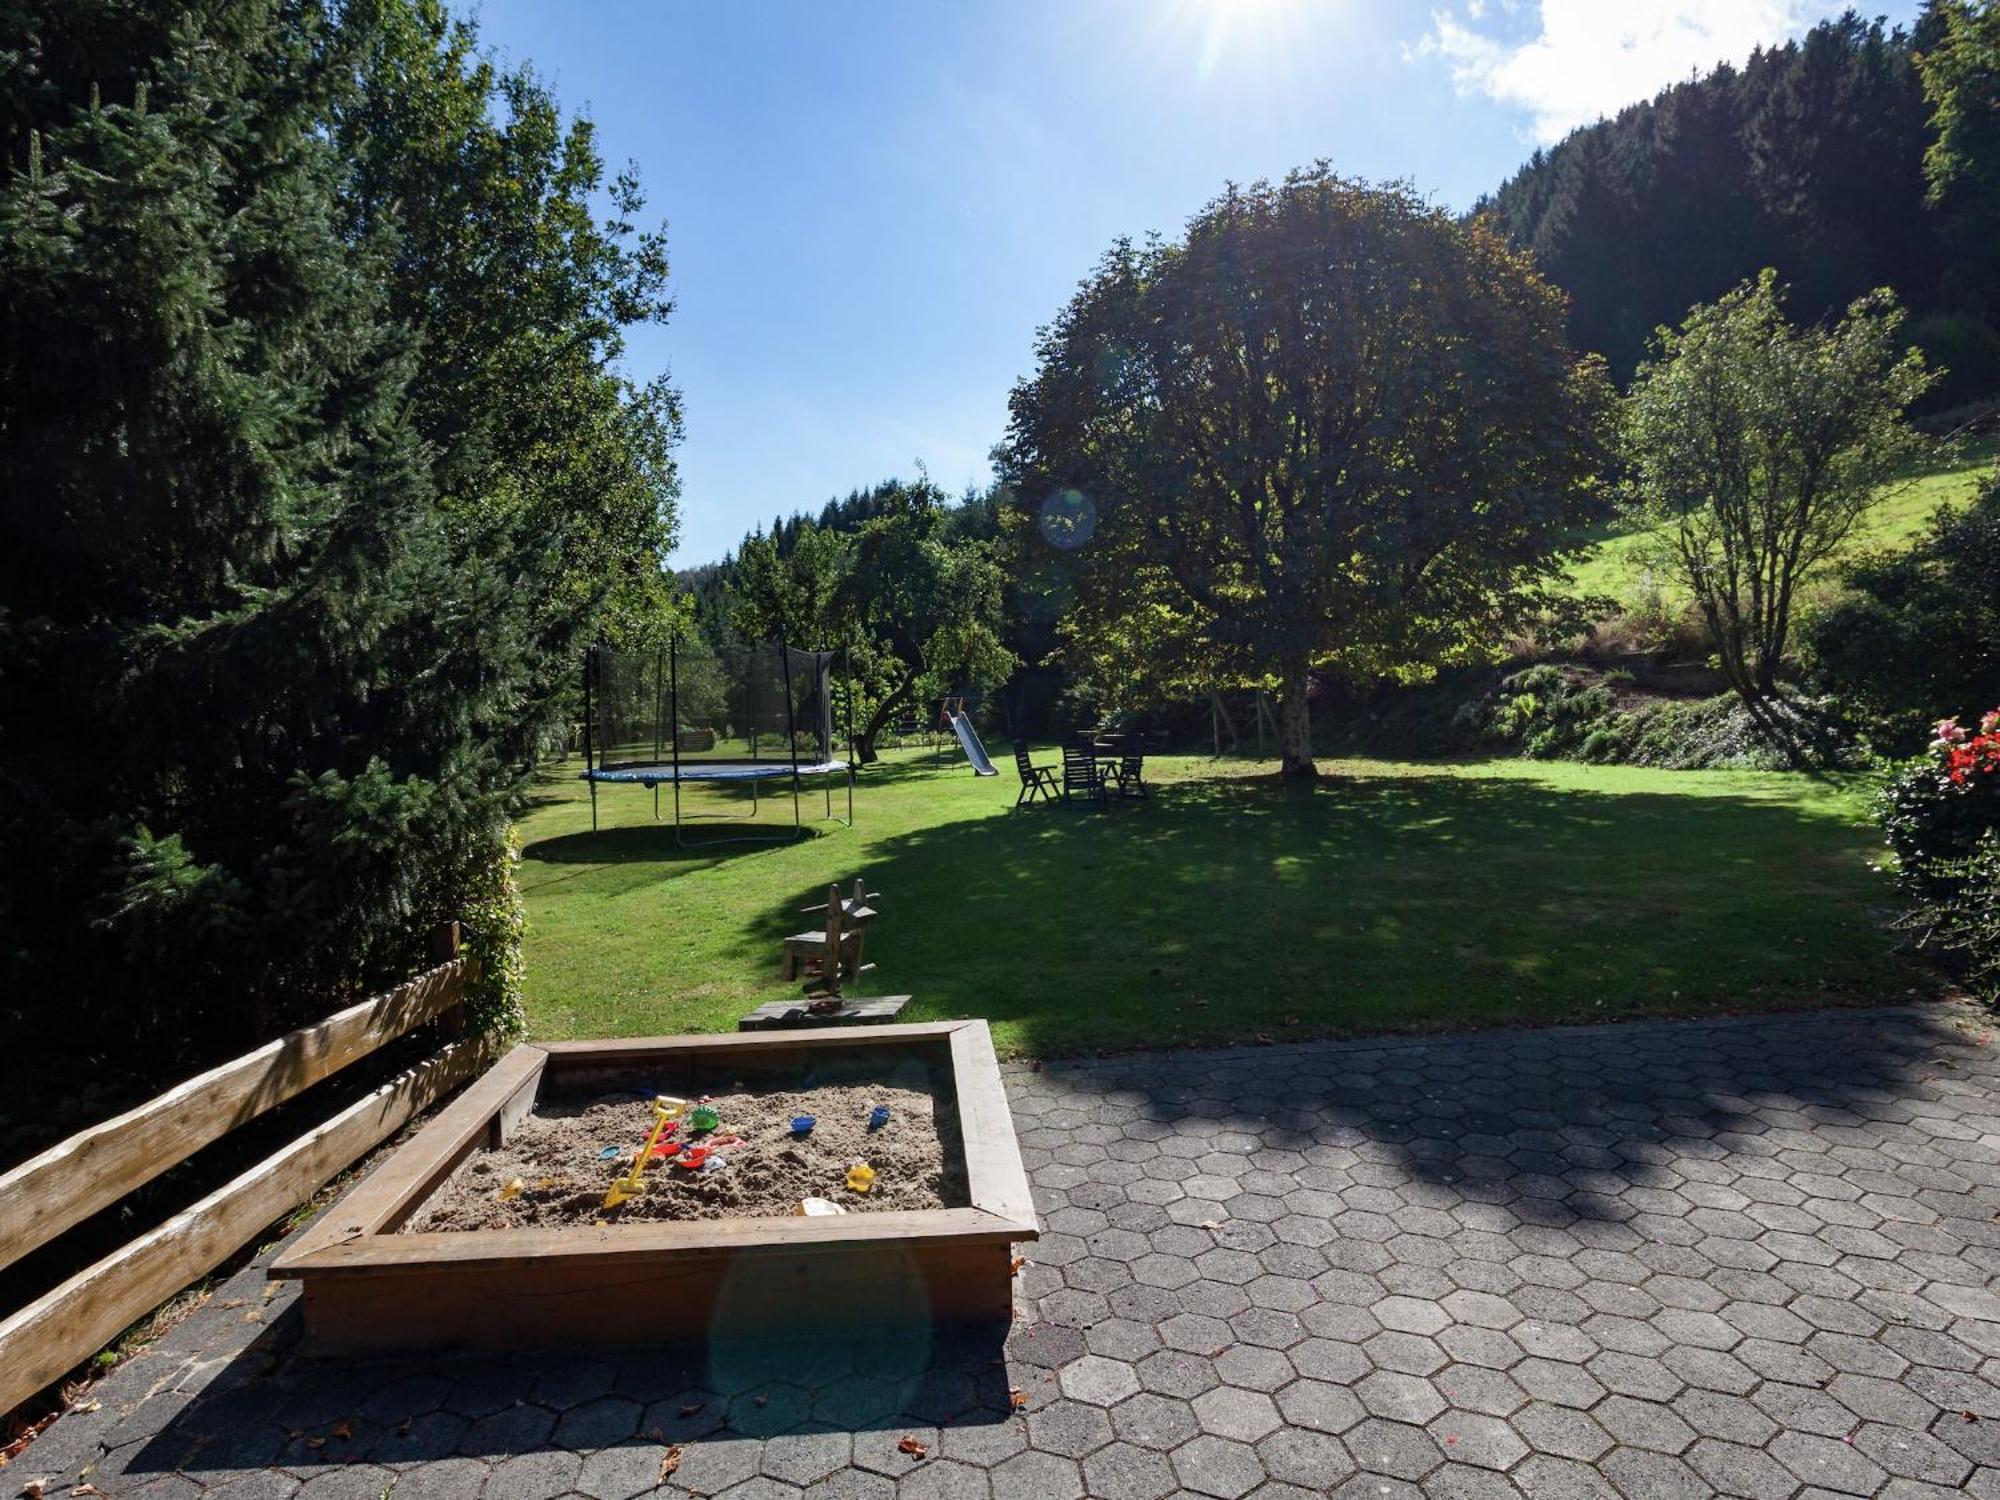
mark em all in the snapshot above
pixel 1809 159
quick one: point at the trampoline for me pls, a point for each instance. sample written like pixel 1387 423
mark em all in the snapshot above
pixel 737 717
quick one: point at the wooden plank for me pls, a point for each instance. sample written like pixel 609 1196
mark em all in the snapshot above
pixel 619 1051
pixel 448 1251
pixel 94 1168
pixel 779 1015
pixel 380 1200
pixel 882 1287
pixel 993 1168
pixel 50 1335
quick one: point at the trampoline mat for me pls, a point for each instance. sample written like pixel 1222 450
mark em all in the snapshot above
pixel 713 770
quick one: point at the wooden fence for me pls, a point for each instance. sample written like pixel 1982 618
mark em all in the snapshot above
pixel 94 1168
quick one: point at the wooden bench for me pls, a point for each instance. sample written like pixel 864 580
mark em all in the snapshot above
pixel 830 956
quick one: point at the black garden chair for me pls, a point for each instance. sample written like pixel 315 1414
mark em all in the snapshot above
pixel 1128 776
pixel 1080 774
pixel 1036 781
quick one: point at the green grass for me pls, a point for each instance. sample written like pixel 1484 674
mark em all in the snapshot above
pixel 1616 564
pixel 1406 897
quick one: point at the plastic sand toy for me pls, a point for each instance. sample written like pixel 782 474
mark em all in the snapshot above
pixel 692 1158
pixel 860 1177
pixel 814 1208
pixel 611 1153
pixel 513 1189
pixel 878 1117
pixel 802 1125
pixel 665 1109
pixel 704 1117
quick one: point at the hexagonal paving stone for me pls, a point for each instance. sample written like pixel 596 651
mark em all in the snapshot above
pixel 1220 1467
pixel 1314 1461
pixel 1562 1430
pixel 1399 1397
pixel 1099 1381
pixel 1231 1412
pixel 1393 1448
pixel 1154 1421
pixel 1123 1472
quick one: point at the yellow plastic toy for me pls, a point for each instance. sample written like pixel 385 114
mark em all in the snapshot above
pixel 664 1109
pixel 860 1177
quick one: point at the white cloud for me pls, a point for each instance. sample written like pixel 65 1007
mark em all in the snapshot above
pixel 1590 58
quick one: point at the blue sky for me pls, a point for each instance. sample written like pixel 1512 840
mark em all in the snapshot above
pixel 871 206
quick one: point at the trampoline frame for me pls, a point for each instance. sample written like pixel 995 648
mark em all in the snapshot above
pixel 721 773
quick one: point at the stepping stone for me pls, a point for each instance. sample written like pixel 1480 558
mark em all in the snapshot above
pixel 781 1015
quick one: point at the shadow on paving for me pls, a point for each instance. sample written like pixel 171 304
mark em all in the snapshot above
pixel 1548 1173
pixel 1664 1128
pixel 271 1407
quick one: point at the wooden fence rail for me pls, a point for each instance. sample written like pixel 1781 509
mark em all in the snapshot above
pixel 94 1168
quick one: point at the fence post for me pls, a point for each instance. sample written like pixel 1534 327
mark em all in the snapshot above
pixel 443 944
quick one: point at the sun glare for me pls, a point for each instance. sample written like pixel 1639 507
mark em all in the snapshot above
pixel 1226 31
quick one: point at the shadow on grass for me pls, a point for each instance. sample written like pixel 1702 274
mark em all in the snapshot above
pixel 1228 908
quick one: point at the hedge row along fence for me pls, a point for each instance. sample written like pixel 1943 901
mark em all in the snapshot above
pixel 94 1168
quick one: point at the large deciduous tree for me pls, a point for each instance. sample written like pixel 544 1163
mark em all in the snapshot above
pixel 1755 446
pixel 925 608
pixel 1331 429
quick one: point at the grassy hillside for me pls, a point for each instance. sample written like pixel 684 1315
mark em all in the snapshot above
pixel 1615 564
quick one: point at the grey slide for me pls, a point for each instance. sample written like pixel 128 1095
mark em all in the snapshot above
pixel 974 751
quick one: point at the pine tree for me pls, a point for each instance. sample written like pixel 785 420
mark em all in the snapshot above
pixel 272 656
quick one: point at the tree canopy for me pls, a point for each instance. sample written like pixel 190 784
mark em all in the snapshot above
pixel 1809 158
pixel 1757 445
pixel 314 477
pixel 1331 429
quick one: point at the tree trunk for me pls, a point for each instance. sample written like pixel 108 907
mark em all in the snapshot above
pixel 1295 719
pixel 864 742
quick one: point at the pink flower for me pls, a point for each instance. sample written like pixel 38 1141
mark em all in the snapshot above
pixel 1946 733
pixel 1991 723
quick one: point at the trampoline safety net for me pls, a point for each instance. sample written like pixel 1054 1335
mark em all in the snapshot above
pixel 695 703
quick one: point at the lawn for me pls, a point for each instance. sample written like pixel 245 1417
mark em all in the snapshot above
pixel 1405 897
pixel 1616 565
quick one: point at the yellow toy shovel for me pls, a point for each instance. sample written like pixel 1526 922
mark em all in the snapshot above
pixel 664 1109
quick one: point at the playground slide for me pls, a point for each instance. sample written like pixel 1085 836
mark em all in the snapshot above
pixel 974 751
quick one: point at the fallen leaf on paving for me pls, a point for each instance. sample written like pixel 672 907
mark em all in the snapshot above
pixel 343 1429
pixel 912 1447
pixel 33 1489
pixel 691 1409
pixel 86 1489
pixel 1967 1416
pixel 670 1461
pixel 1021 1260
pixel 1017 1397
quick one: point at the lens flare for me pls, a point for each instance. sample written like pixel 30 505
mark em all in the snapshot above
pixel 1068 519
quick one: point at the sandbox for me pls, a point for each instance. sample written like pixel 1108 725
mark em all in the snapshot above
pixel 486 1229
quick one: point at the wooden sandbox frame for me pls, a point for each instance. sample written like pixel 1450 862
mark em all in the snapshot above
pixel 369 1289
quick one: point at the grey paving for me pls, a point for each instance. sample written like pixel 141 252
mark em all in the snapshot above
pixel 1752 1257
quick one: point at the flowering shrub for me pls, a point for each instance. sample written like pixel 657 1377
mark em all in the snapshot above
pixel 1966 755
pixel 1942 818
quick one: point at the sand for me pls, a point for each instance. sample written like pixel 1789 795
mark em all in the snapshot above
pixel 556 1155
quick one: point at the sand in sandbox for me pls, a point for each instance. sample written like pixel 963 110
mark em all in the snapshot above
pixel 556 1154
